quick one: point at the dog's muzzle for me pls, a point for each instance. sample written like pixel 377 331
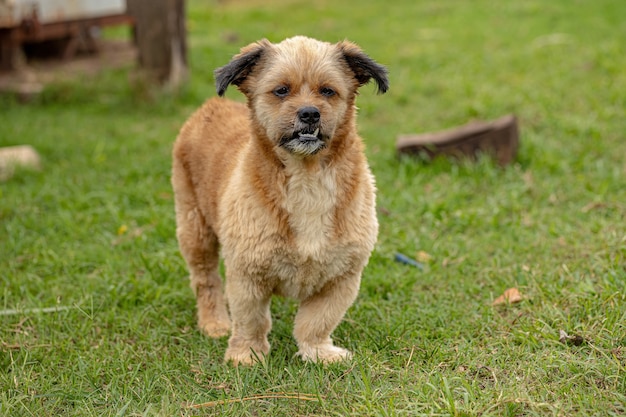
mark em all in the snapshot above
pixel 306 138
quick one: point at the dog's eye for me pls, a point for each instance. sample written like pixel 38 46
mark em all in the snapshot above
pixel 282 91
pixel 327 92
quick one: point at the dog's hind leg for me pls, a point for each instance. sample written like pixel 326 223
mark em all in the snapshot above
pixel 200 248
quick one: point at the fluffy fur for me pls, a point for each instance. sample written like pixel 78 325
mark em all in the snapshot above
pixel 282 186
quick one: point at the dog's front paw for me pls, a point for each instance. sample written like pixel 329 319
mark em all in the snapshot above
pixel 245 352
pixel 237 359
pixel 326 353
pixel 214 328
pixel 248 358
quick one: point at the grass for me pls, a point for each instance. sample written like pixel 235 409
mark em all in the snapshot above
pixel 94 232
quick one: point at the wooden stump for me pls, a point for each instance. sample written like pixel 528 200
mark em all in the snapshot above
pixel 498 138
pixel 161 38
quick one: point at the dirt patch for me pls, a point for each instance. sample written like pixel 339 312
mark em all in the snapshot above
pixel 30 78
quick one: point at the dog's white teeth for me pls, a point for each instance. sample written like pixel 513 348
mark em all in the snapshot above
pixel 316 132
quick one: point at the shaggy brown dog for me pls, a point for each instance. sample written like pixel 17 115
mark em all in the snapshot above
pixel 283 186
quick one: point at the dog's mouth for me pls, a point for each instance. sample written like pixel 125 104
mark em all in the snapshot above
pixel 304 142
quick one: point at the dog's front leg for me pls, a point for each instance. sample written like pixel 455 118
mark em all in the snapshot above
pixel 251 321
pixel 319 315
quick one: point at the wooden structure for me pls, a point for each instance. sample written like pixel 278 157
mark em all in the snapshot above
pixel 61 27
pixel 58 26
pixel 498 138
pixel 161 37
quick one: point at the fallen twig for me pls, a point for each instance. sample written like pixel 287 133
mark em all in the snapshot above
pixel 17 347
pixel 281 395
pixel 13 311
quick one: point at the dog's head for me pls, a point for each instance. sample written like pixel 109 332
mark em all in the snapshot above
pixel 301 91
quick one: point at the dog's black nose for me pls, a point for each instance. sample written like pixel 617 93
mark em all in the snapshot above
pixel 309 115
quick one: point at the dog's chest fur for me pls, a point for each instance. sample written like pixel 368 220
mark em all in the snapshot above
pixel 299 264
pixel 311 196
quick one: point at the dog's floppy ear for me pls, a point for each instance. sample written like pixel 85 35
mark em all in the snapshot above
pixel 364 67
pixel 236 71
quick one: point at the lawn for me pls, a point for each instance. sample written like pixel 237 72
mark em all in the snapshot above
pixel 93 233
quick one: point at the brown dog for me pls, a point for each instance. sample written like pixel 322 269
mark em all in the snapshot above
pixel 283 186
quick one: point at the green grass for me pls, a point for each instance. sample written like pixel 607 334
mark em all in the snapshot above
pixel 94 231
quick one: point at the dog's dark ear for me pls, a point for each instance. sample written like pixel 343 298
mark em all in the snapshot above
pixel 364 67
pixel 236 71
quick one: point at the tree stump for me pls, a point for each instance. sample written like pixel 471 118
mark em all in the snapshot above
pixel 161 38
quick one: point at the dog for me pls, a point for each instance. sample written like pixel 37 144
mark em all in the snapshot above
pixel 282 186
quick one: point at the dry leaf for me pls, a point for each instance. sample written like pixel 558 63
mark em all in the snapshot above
pixel 423 257
pixel 510 296
pixel 593 206
pixel 575 340
pixel 449 261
